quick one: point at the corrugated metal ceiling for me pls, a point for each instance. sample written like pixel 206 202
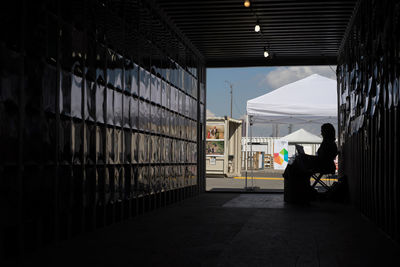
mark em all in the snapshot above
pixel 297 32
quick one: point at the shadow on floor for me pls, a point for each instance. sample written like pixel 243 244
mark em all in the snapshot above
pixel 231 229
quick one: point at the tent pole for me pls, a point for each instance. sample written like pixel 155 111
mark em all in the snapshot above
pixel 246 146
pixel 251 153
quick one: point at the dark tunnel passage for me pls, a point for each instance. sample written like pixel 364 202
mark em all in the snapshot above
pixel 102 119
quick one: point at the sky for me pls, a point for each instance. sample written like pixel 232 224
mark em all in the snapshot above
pixel 252 82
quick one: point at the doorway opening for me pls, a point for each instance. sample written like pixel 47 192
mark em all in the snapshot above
pixel 249 150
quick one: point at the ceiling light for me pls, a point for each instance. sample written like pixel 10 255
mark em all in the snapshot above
pixel 247 3
pixel 266 54
pixel 257 27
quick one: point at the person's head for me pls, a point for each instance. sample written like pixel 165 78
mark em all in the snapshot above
pixel 328 132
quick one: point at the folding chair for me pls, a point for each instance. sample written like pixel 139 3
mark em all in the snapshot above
pixel 318 174
pixel 317 180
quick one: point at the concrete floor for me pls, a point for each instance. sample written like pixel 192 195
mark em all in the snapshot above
pixel 228 229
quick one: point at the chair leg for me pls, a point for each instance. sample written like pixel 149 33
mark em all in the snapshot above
pixel 324 185
pixel 317 179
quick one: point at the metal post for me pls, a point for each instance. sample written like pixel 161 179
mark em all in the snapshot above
pixel 290 128
pixel 231 86
pixel 248 128
pixel 246 146
pixel 251 153
pixel 231 98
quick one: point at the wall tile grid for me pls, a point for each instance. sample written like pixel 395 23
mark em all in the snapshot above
pixel 99 117
pixel 368 90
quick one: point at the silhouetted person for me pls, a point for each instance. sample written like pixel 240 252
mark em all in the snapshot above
pixel 297 175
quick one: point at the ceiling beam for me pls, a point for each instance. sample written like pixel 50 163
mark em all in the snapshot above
pixel 278 61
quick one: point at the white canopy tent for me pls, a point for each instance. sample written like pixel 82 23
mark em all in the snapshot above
pixel 312 100
pixel 301 136
pixel 309 100
pixel 309 141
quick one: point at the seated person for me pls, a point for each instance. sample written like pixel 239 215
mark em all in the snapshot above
pixel 299 172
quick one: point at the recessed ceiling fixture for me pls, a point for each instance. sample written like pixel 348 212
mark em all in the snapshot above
pixel 257 27
pixel 266 54
pixel 246 3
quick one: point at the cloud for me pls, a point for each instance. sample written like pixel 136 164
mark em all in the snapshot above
pixel 285 75
pixel 209 114
pixel 243 117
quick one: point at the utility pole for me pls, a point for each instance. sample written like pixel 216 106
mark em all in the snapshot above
pixel 276 130
pixel 231 86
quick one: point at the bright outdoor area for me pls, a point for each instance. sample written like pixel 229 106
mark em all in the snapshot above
pixel 257 116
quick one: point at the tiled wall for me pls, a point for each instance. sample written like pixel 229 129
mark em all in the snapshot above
pixel 101 117
pixel 368 85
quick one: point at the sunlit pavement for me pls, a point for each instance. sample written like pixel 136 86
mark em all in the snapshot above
pixel 259 180
pixel 223 184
